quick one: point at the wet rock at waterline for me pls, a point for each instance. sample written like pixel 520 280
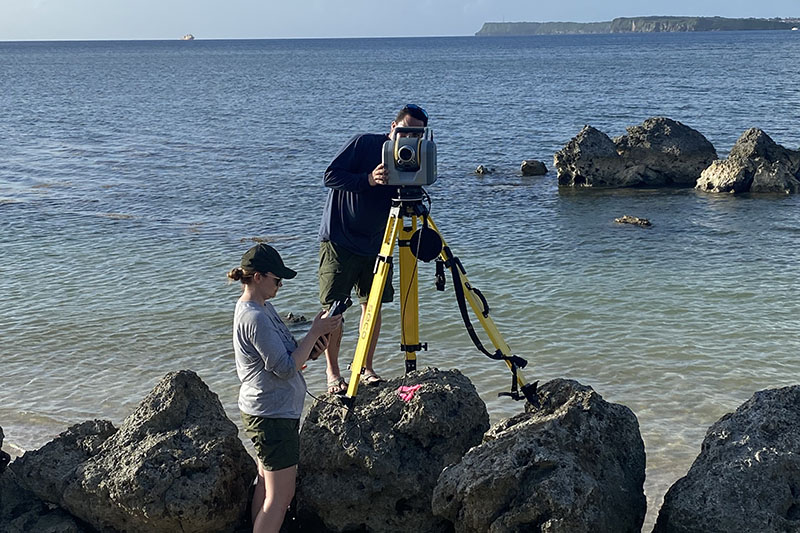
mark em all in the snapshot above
pixel 747 476
pixel 756 164
pixel 532 167
pixel 634 221
pixel 659 152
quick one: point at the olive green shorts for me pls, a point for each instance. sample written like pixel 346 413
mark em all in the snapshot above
pixel 276 440
pixel 341 270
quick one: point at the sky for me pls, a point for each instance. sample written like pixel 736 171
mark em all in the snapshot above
pixel 22 20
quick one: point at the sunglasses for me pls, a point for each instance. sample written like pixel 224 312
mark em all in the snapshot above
pixel 416 110
pixel 278 281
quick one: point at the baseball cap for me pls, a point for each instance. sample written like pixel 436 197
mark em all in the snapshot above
pixel 264 258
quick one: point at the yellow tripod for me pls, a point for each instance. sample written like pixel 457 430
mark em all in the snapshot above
pixel 425 242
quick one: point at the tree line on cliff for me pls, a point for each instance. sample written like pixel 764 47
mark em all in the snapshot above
pixel 636 25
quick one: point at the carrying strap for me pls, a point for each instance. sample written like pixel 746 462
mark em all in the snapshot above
pixel 516 362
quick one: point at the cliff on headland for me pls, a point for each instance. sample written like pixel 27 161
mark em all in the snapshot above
pixel 636 25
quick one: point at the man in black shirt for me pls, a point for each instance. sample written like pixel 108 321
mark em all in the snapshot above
pixel 351 232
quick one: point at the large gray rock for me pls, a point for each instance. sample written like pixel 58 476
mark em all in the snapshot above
pixel 175 464
pixel 756 164
pixel 660 152
pixel 589 160
pixel 376 469
pixel 574 464
pixel 669 152
pixel 747 476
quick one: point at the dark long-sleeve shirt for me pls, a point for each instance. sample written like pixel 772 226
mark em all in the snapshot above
pixel 356 213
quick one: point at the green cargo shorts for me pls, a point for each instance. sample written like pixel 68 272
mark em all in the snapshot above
pixel 341 270
pixel 276 440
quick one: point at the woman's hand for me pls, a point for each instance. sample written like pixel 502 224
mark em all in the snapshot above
pixel 322 325
pixel 316 341
pixel 320 346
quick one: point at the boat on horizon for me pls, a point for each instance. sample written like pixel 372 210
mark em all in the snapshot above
pixel 188 37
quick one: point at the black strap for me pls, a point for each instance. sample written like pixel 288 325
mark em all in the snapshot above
pixel 456 269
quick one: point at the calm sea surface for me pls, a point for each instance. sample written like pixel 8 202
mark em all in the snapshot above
pixel 134 174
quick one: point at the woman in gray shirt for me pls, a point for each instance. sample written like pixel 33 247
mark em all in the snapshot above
pixel 268 363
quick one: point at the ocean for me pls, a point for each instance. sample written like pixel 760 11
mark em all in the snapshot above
pixel 134 174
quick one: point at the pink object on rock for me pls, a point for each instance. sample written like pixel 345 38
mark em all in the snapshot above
pixel 406 392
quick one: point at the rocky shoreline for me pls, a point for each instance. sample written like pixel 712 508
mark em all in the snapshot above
pixel 427 461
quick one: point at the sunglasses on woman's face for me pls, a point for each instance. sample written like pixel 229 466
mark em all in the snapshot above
pixel 278 281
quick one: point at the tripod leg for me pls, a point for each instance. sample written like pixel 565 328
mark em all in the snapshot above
pixel 367 331
pixel 478 308
pixel 409 297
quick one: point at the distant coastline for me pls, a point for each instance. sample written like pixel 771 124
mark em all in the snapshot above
pixel 637 25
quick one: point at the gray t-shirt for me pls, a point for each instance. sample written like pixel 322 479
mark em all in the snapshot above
pixel 271 385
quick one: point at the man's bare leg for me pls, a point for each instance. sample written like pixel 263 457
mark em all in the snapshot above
pixel 332 356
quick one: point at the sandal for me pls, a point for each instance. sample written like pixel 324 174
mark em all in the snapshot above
pixel 369 377
pixel 337 386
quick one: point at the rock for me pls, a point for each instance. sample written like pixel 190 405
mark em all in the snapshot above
pixel 532 167
pixel 574 464
pixel 175 464
pixel 727 175
pixel 756 164
pixel 660 152
pixel 672 153
pixel 636 221
pixel 376 470
pixel 756 144
pixel 4 457
pixel 291 319
pixel 49 470
pixel 747 476
pixel 775 177
pixel 22 512
pixel 588 160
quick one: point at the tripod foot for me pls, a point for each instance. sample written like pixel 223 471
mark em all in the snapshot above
pixel 530 393
pixel 348 402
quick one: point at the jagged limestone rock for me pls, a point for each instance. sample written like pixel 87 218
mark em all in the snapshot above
pixel 376 469
pixel 747 476
pixel 673 154
pixel 756 164
pixel 574 464
pixel 175 464
pixel 660 152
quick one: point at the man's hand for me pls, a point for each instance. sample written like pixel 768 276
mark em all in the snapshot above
pixel 379 176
